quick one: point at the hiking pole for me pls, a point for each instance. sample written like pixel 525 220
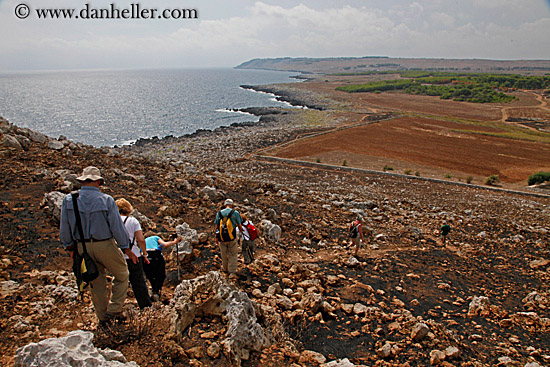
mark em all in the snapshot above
pixel 178 258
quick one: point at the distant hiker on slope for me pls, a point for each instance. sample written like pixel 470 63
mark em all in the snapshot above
pixel 356 234
pixel 445 229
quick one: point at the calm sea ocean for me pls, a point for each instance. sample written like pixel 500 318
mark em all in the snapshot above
pixel 106 108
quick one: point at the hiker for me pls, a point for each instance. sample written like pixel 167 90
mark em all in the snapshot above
pixel 249 235
pixel 445 229
pixel 227 220
pixel 137 245
pixel 356 234
pixel 155 268
pixel 101 226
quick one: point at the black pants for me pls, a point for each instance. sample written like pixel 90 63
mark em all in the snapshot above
pixel 138 282
pixel 155 270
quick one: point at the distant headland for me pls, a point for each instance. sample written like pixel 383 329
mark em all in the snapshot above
pixel 381 63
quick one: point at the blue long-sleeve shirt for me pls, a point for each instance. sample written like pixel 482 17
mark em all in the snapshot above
pixel 99 215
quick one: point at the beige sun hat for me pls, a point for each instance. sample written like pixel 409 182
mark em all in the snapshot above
pixel 90 173
pixel 228 202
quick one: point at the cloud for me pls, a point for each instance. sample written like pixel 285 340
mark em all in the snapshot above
pixel 430 28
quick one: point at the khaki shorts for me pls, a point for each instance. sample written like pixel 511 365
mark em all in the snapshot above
pixel 357 242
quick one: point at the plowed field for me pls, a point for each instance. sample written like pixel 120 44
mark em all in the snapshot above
pixel 435 138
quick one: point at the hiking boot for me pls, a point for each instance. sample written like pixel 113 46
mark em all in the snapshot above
pixel 117 317
pixel 103 324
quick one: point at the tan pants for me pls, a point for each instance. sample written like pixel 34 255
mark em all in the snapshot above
pixel 107 256
pixel 229 251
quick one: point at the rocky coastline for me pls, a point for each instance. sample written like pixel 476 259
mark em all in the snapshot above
pixel 480 299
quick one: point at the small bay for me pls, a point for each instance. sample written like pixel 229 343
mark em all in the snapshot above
pixel 115 107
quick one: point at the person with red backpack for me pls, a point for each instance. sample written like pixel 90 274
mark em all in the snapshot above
pixel 356 234
pixel 249 235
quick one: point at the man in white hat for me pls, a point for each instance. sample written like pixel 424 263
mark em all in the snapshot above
pixel 101 225
pixel 229 249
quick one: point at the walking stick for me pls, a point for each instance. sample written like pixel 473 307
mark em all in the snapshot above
pixel 178 258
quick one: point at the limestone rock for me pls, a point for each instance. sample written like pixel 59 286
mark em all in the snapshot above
pixel 352 262
pixel 212 295
pixel 312 302
pixel 74 349
pixel 189 238
pixel 419 331
pixel 8 287
pixel 535 264
pixel 52 202
pixel 452 352
pixel 270 231
pixel 213 350
pixel 10 141
pixel 339 363
pixel 436 357
pixel 210 193
pixel 478 305
pixel 309 356
pixel 34 135
pixel 384 351
pixel 55 144
pixel 145 222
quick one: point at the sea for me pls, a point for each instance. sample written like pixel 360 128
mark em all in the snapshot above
pixel 117 107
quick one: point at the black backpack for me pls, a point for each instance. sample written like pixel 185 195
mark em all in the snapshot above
pixel 353 230
pixel 133 240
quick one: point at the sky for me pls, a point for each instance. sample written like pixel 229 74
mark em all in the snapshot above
pixel 226 33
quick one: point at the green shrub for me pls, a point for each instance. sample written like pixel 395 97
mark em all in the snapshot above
pixel 344 163
pixel 318 160
pixel 417 173
pixel 469 179
pixel 492 180
pixel 538 177
pixel 407 172
pixel 447 175
pixel 388 168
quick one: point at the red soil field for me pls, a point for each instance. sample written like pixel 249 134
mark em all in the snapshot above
pixel 426 140
pixel 432 147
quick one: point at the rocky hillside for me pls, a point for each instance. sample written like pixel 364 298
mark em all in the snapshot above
pixel 481 299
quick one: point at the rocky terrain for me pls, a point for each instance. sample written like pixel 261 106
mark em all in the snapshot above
pixel 480 299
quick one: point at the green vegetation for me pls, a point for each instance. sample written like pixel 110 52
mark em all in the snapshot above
pixel 447 175
pixel 469 179
pixel 318 160
pixel 344 163
pixel 538 178
pixel 388 168
pixel 492 180
pixel 475 88
pixel 407 171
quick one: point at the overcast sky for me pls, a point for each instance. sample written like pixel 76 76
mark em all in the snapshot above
pixel 229 32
